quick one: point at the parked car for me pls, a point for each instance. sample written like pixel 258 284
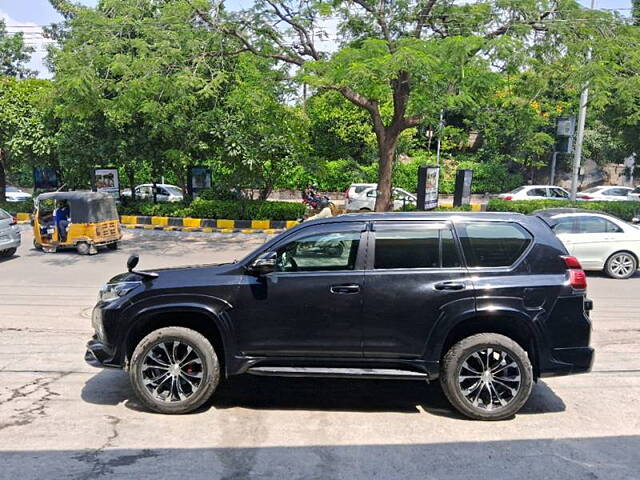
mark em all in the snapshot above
pixel 9 234
pixel 14 194
pixel 605 193
pixel 635 194
pixel 598 240
pixel 365 199
pixel 536 192
pixel 484 302
pixel 165 192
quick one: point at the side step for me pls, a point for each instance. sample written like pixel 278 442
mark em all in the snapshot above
pixel 380 373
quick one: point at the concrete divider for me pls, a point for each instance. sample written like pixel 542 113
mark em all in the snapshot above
pixel 206 225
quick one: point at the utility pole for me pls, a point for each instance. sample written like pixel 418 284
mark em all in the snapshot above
pixel 582 117
pixel 441 124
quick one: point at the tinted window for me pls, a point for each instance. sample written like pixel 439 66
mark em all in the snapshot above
pixel 493 244
pixel 596 225
pixel 558 193
pixel 415 248
pixel 537 192
pixel 323 251
pixel 361 188
pixel 565 225
pixel 617 192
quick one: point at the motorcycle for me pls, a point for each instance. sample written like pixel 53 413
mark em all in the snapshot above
pixel 316 202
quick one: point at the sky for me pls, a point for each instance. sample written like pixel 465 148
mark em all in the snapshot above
pixel 29 15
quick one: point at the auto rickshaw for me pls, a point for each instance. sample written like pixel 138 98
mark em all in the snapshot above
pixel 81 220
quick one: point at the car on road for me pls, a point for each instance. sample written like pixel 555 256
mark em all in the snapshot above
pixel 165 192
pixel 635 194
pixel 14 194
pixel 486 303
pixel 601 242
pixel 536 192
pixel 364 198
pixel 9 234
pixel 605 193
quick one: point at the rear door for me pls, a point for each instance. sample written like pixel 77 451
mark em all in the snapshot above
pixel 414 274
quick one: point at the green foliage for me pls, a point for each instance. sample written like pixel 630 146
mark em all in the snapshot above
pixel 17 207
pixel 624 210
pixel 14 54
pixel 218 209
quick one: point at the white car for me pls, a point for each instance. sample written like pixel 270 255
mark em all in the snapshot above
pixel 165 192
pixel 365 200
pixel 599 241
pixel 605 193
pixel 635 194
pixel 14 194
pixel 536 192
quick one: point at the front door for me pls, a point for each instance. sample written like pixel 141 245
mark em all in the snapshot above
pixel 414 274
pixel 312 304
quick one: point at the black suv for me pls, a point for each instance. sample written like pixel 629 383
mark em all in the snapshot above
pixel 485 302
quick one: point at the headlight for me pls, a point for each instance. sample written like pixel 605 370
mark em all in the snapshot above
pixel 111 291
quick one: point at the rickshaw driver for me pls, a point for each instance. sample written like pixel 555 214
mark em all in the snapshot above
pixel 61 217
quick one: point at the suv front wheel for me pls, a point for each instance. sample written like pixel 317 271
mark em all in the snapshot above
pixel 174 370
pixel 487 376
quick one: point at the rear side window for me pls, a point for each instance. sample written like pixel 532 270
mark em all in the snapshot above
pixel 415 248
pixel 493 244
pixel 537 192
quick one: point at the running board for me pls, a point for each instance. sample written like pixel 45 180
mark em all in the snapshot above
pixel 380 373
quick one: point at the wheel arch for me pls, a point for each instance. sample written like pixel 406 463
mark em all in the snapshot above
pixel 203 319
pixel 510 324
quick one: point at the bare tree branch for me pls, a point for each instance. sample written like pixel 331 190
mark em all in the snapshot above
pixel 535 24
pixel 381 21
pixel 423 14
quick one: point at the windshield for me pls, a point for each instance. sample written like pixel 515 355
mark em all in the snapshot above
pixel 13 189
pixel 519 189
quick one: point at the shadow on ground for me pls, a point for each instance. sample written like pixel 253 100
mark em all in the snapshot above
pixel 111 387
pixel 613 458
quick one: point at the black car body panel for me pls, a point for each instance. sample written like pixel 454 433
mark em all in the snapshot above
pixel 362 316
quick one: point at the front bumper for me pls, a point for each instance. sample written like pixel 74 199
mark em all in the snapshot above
pixel 99 355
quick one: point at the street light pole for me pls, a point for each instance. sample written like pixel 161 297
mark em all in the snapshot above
pixel 582 117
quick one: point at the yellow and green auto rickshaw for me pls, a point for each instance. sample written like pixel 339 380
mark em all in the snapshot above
pixel 81 220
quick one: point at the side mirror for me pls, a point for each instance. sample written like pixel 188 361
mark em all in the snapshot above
pixel 264 264
pixel 132 262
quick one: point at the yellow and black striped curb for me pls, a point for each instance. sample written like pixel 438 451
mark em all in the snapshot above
pixel 206 225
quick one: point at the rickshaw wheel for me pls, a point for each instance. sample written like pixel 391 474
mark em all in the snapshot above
pixel 83 248
pixel 36 245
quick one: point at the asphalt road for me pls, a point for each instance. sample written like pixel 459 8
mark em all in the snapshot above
pixel 60 418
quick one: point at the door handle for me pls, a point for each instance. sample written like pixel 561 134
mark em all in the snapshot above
pixel 449 286
pixel 345 289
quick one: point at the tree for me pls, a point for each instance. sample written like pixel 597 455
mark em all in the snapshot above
pixel 137 87
pixel 635 12
pixel 25 139
pixel 401 62
pixel 14 54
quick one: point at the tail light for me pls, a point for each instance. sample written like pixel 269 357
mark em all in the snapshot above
pixel 577 277
pixel 585 197
pixel 508 197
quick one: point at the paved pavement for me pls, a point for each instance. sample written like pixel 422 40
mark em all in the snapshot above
pixel 60 418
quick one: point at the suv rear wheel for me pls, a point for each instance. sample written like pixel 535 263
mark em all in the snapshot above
pixel 174 370
pixel 487 376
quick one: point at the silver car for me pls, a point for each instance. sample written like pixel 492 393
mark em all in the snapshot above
pixel 9 234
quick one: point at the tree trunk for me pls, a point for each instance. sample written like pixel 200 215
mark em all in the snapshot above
pixel 132 184
pixel 3 179
pixel 386 150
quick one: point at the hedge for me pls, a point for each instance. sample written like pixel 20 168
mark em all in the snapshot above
pixel 624 210
pixel 17 207
pixel 218 209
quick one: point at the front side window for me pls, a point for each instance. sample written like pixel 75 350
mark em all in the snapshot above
pixel 320 252
pixel 493 244
pixel 596 225
pixel 558 193
pixel 411 247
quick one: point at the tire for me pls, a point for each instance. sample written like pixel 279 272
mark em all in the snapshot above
pixel 8 253
pixel 112 246
pixel 83 248
pixel 165 396
pixel 479 403
pixel 36 245
pixel 621 265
